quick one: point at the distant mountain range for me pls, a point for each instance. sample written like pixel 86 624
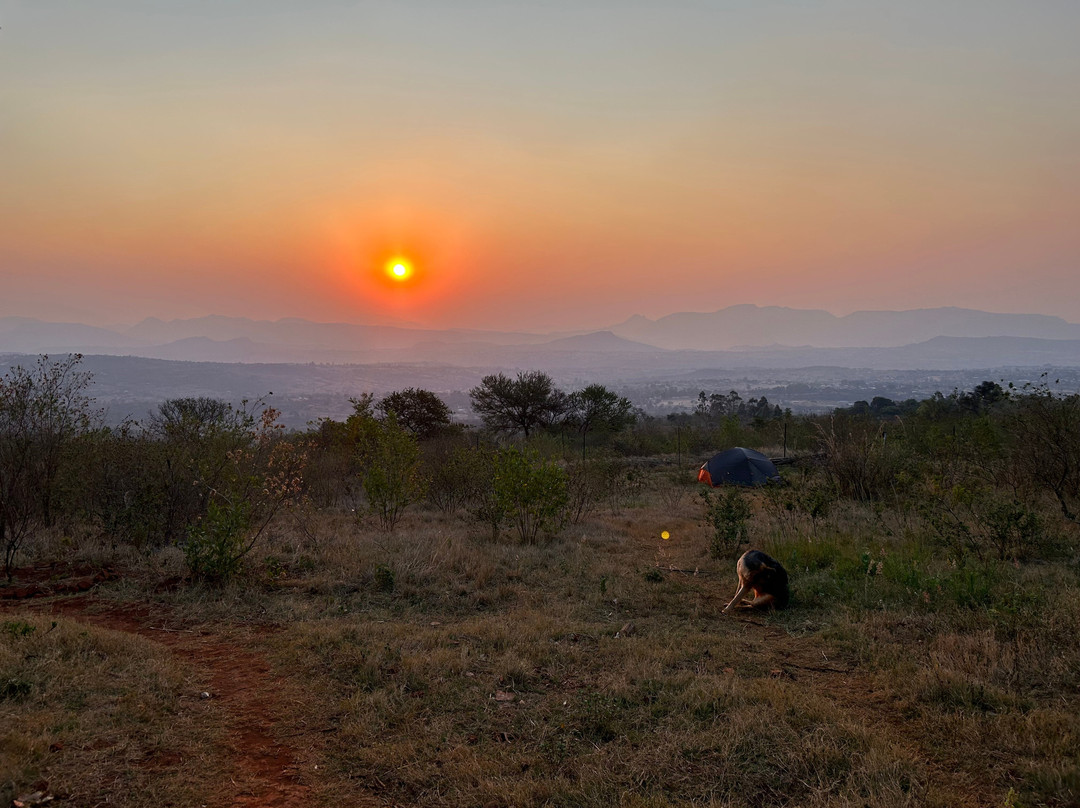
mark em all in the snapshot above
pixel 735 337
pixel 755 326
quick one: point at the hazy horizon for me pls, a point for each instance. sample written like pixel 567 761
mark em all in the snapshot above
pixel 548 168
pixel 537 330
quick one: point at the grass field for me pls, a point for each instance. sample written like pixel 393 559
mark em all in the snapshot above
pixel 435 665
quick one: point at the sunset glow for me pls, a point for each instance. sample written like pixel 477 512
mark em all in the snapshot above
pixel 499 170
pixel 399 269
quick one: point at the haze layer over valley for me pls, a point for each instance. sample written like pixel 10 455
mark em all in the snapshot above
pixel 801 359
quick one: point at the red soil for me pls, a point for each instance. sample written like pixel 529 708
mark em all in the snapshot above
pixel 267 772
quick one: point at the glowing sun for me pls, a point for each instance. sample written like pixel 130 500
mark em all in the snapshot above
pixel 399 269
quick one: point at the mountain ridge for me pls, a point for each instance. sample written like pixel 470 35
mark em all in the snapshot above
pixel 733 336
pixel 740 325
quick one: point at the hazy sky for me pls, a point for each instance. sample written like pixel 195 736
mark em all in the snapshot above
pixel 542 164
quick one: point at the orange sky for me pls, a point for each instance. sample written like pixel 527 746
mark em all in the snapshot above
pixel 556 166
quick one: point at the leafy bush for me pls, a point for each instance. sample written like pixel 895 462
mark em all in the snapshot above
pixel 257 482
pixel 531 491
pixel 385 577
pixel 217 543
pixel 455 472
pixel 42 411
pixel 18 628
pixel 804 497
pixel 977 520
pixel 483 501
pixel 729 516
pixel 120 473
pixel 393 479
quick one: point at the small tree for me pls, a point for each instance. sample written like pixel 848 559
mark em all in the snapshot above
pixel 597 409
pixel 531 491
pixel 421 412
pixel 193 440
pixel 42 410
pixel 119 479
pixel 483 499
pixel 261 478
pixel 518 405
pixel 393 479
pixel 1046 449
pixel 456 473
pixel 194 417
pixel 337 468
pixel 729 516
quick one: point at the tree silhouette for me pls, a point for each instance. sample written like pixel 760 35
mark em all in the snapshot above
pixel 597 409
pixel 522 404
pixel 42 410
pixel 421 412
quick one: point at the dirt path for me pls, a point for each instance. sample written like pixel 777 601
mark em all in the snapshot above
pixel 267 771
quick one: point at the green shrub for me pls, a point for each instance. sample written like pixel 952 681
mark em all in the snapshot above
pixel 18 628
pixel 255 483
pixel 385 577
pixel 728 515
pixel 531 491
pixel 484 503
pixel 804 497
pixel 975 520
pixel 217 543
pixel 393 479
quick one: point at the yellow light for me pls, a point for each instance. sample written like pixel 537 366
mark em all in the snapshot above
pixel 399 269
pixel 665 535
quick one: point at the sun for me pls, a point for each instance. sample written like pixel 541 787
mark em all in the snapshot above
pixel 399 269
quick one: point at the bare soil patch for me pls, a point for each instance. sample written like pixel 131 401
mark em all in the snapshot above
pixel 270 771
pixel 46 580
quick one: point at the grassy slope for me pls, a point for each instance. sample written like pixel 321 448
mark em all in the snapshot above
pixel 95 716
pixel 436 667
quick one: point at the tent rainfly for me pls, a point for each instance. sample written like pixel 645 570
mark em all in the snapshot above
pixel 738 466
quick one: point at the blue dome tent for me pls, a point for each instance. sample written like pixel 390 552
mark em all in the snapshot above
pixel 738 466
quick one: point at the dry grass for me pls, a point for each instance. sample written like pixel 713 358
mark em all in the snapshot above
pixel 528 708
pixel 101 716
pixel 440 667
